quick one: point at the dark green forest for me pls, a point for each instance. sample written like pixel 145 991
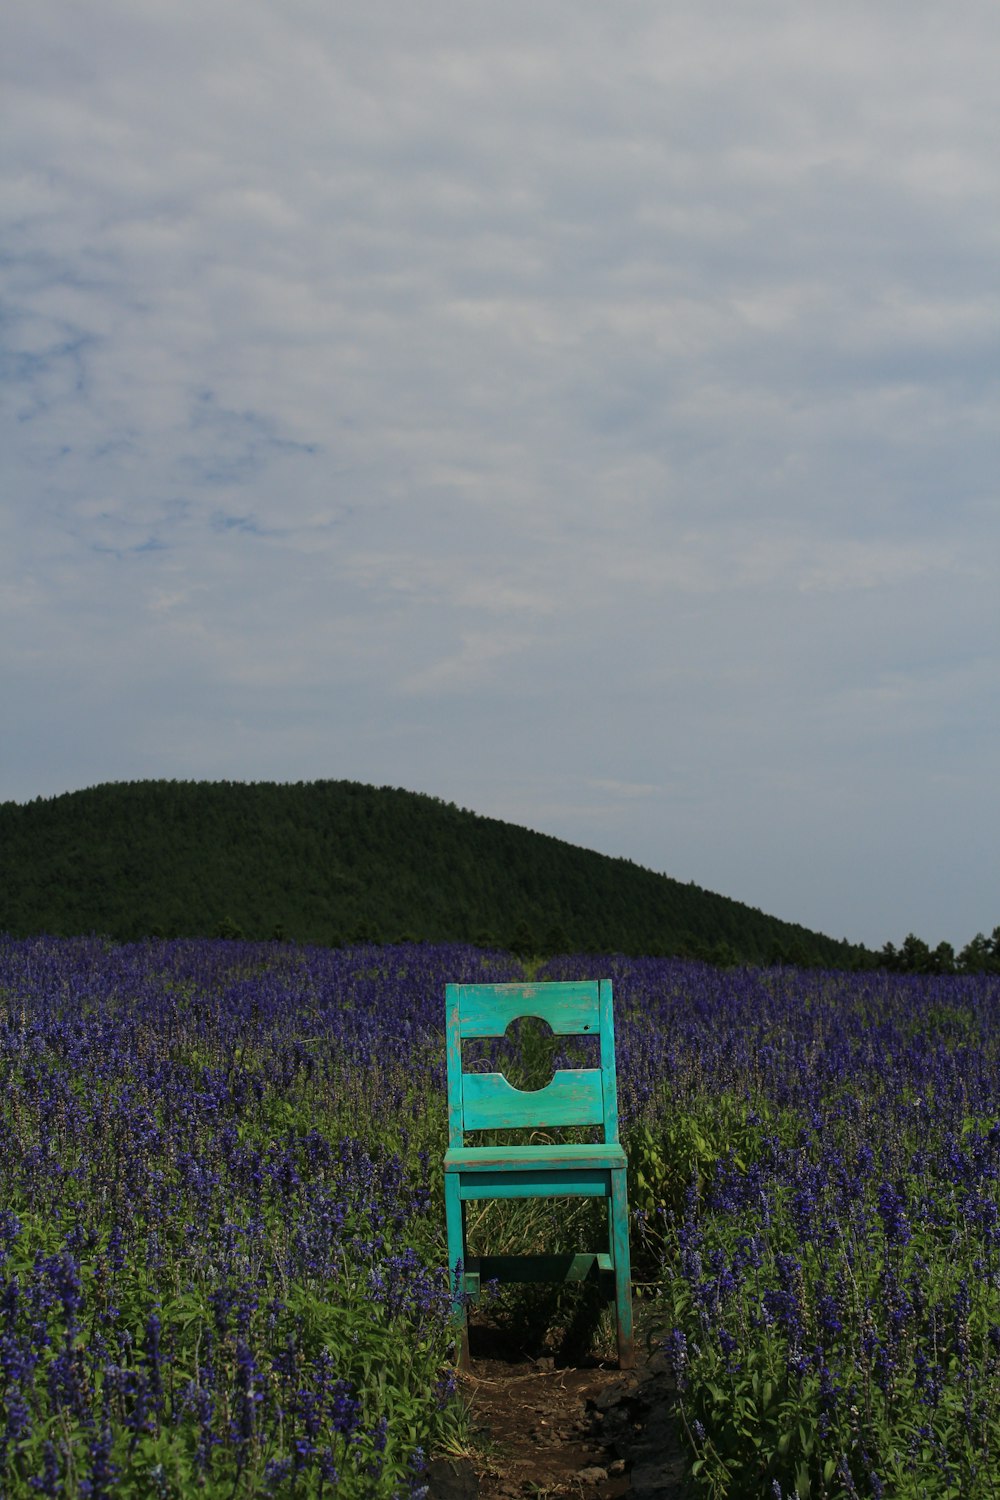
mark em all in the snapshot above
pixel 330 862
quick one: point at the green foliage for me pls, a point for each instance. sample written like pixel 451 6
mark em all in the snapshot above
pixel 390 1364
pixel 573 1317
pixel 673 1156
pixel 950 1025
pixel 243 1331
pixel 333 861
pixel 527 1055
pixel 229 929
pixel 523 941
pixel 808 1359
pixel 979 956
pixel 758 1413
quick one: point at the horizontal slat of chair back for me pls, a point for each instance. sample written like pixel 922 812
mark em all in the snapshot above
pixel 575 1096
pixel 570 1009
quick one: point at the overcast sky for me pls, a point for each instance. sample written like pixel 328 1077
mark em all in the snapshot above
pixel 587 413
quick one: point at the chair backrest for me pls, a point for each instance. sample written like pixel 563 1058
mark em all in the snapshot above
pixel 575 1096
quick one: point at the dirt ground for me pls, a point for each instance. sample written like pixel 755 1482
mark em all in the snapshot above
pixel 544 1427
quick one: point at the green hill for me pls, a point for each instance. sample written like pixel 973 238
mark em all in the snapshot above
pixel 330 861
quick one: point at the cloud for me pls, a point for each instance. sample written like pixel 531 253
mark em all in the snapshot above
pixel 617 788
pixel 525 404
pixel 471 666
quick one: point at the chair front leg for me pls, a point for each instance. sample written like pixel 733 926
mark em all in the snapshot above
pixel 455 1218
pixel 623 1269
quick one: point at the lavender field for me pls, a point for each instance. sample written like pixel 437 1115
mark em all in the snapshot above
pixel 221 1226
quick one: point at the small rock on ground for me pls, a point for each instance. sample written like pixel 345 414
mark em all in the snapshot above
pixel 452 1479
pixel 634 1422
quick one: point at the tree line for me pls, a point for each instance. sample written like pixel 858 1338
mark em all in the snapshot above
pixel 330 862
pixel 981 955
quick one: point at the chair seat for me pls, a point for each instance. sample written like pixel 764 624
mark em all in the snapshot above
pixel 541 1158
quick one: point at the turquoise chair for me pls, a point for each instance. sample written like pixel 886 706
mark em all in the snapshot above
pixel 574 1096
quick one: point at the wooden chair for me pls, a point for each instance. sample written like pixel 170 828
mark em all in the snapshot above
pixel 574 1096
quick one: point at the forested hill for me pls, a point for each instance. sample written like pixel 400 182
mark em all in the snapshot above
pixel 333 861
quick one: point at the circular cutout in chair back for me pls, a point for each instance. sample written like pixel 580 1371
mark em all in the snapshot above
pixel 526 1054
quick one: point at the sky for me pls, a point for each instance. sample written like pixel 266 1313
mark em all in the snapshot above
pixel 587 414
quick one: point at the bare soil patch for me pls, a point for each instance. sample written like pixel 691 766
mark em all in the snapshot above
pixel 547 1427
